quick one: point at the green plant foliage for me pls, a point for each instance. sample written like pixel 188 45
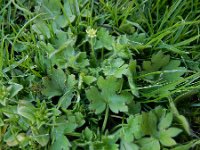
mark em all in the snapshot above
pixel 148 124
pixel 99 75
pixel 108 96
pixel 104 39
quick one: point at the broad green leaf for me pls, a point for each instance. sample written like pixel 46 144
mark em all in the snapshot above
pixel 157 61
pixel 41 135
pixel 64 55
pixel 80 61
pixel 117 102
pixel 10 139
pixel 107 143
pixel 62 38
pixel 134 108
pixel 50 6
pixel 62 21
pixel 20 47
pixel 23 124
pixel 173 132
pixel 128 146
pixel 62 15
pixel 10 111
pixel 54 84
pixel 69 6
pixel 97 102
pixel 109 85
pixel 121 50
pixel 183 147
pixel 180 118
pixel 169 69
pixel 116 68
pixel 135 126
pixel 77 119
pixel 149 144
pixel 63 127
pixel 1 122
pixel 108 96
pixel 65 100
pixel 86 13
pixel 133 86
pixel 27 110
pixel 126 135
pixel 61 143
pixel 149 125
pixel 89 79
pixel 176 72
pixel 165 120
pixel 41 28
pixel 104 39
pixel 166 140
pixel 127 28
pixel 14 89
pixel 137 38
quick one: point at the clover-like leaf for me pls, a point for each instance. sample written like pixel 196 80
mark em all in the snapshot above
pixel 158 60
pixel 165 120
pixel 64 126
pixel 166 140
pixel 108 96
pixel 97 102
pixel 176 73
pixel 137 39
pixel 149 125
pixel 149 144
pixel 128 145
pixel 170 68
pixel 133 129
pixel 156 124
pixel 104 39
pixel 88 79
pixel 108 142
pixel 115 67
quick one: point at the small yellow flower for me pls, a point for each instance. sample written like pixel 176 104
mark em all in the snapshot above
pixel 91 32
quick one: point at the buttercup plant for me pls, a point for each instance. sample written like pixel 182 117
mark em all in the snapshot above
pixel 91 32
pixel 99 75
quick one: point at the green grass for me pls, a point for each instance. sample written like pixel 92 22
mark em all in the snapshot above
pixel 134 85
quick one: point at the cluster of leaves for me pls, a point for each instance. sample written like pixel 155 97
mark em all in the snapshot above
pixel 134 85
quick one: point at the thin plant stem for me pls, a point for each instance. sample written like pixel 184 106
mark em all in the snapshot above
pixel 105 119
